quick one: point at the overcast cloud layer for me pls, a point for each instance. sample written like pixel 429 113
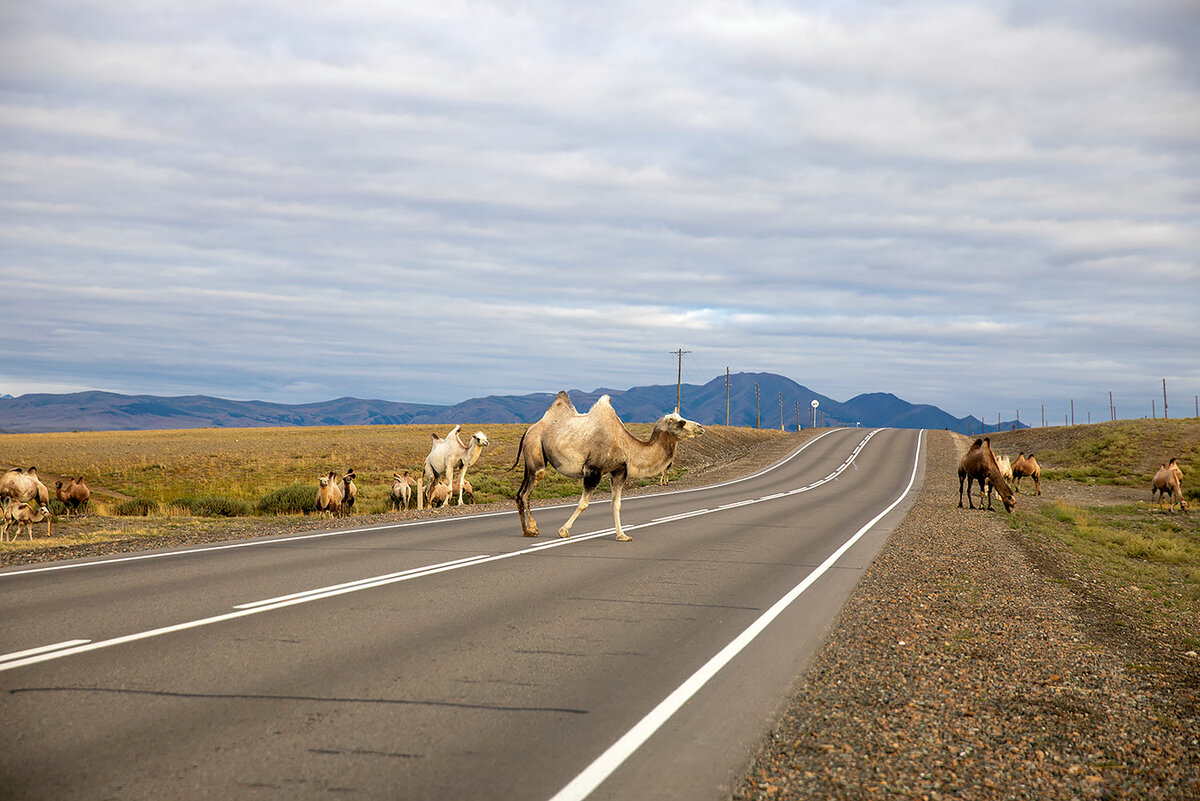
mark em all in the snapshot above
pixel 987 207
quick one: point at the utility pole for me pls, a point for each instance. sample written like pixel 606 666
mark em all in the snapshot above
pixel 1197 399
pixel 1112 410
pixel 1043 415
pixel 781 410
pixel 1164 399
pixel 798 415
pixel 726 396
pixel 1072 411
pixel 756 406
pixel 679 379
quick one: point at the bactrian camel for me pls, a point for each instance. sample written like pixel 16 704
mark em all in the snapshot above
pixel 402 489
pixel 24 486
pixel 74 495
pixel 591 446
pixel 1027 466
pixel 979 464
pixel 1169 481
pixel 23 514
pixel 450 454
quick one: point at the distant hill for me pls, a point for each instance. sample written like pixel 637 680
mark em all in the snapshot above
pixel 107 411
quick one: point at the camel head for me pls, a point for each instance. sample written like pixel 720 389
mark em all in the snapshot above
pixel 679 427
pixel 479 438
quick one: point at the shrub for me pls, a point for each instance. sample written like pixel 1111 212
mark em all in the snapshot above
pixel 293 500
pixel 214 506
pixel 135 507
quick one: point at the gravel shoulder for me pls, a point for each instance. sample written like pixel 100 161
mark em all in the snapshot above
pixel 971 663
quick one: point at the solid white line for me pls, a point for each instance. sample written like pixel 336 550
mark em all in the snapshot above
pixel 595 774
pixel 305 596
pixel 41 650
pixel 407 524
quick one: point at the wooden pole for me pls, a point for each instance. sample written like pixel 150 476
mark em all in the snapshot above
pixel 726 396
pixel 679 379
pixel 1164 399
pixel 756 406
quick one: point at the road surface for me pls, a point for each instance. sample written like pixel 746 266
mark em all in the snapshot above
pixel 448 658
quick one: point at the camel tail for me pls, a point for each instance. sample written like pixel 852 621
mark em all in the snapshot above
pixel 520 450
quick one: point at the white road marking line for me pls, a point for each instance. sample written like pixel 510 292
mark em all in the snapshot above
pixel 305 596
pixel 43 649
pixel 407 524
pixel 596 773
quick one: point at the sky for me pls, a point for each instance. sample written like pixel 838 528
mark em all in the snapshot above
pixel 989 207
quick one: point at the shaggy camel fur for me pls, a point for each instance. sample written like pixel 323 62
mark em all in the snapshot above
pixel 74 495
pixel 24 515
pixel 590 446
pixel 1027 466
pixel 449 454
pixel 441 493
pixel 402 489
pixel 1169 479
pixel 979 464
pixel 329 495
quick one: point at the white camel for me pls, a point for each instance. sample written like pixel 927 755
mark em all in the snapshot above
pixel 591 446
pixel 450 454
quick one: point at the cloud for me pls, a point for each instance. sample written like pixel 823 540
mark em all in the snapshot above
pixel 967 205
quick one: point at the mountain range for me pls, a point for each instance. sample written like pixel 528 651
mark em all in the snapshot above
pixel 765 400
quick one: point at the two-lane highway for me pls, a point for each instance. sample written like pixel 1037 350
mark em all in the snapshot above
pixel 448 657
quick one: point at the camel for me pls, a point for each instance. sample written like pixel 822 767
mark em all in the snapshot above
pixel 349 493
pixel 24 485
pixel 1005 465
pixel 24 515
pixel 441 493
pixel 979 464
pixel 1027 466
pixel 402 489
pixel 74 495
pixel 329 494
pixel 449 454
pixel 1168 479
pixel 590 446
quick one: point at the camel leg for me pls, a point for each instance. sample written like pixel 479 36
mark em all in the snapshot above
pixel 618 484
pixel 989 494
pixel 591 480
pixel 1037 485
pixel 528 525
pixel 961 477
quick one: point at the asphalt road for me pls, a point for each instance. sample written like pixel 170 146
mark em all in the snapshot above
pixel 448 658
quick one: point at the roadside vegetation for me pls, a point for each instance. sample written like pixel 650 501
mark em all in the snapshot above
pixel 1143 556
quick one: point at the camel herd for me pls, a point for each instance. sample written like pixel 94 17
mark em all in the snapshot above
pixel 995 472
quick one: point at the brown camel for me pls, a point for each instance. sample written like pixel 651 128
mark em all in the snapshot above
pixel 1027 466
pixel 74 495
pixel 979 464
pixel 591 446
pixel 1169 479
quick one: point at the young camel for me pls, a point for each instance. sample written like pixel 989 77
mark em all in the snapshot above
pixel 1027 466
pixel 402 489
pixel 1169 479
pixel 329 495
pixel 979 464
pixel 23 515
pixel 591 446
pixel 449 454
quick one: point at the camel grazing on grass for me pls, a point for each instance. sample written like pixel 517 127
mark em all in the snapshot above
pixel 979 464
pixel 1027 466
pixel 1169 480
pixel 74 495
pixel 591 446
pixel 449 454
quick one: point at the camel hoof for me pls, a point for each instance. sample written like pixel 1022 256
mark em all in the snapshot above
pixel 623 537
pixel 532 533
pixel 564 532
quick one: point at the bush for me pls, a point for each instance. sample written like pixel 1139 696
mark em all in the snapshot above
pixel 214 506
pixel 294 500
pixel 135 507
